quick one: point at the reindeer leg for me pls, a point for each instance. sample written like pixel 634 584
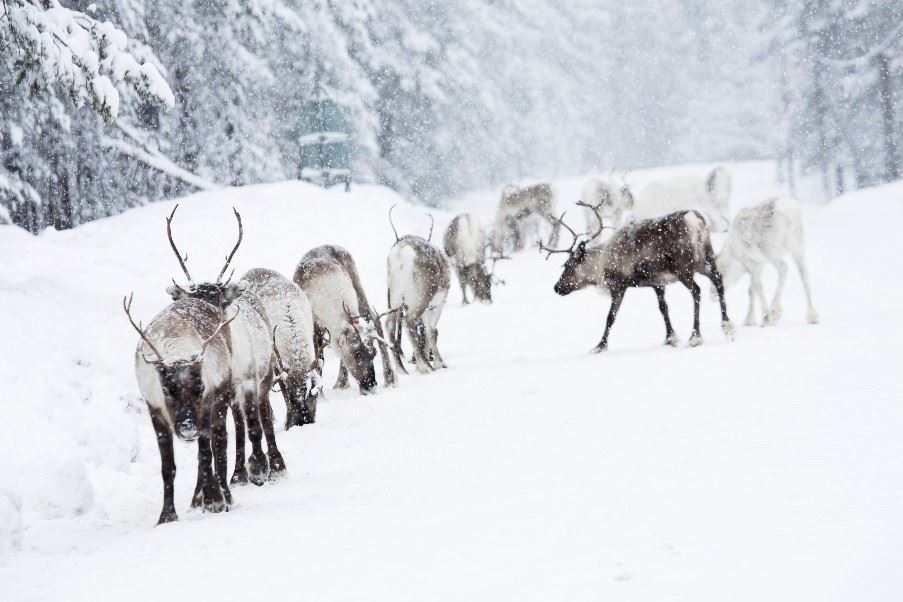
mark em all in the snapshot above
pixel 277 464
pixel 617 295
pixel 712 273
pixel 221 445
pixel 696 336
pixel 755 286
pixel 240 473
pixel 775 313
pixel 342 381
pixel 462 280
pixel 750 319
pixel 257 463
pixel 670 336
pixel 420 358
pixel 167 465
pixel 811 314
pixel 213 499
pixel 388 370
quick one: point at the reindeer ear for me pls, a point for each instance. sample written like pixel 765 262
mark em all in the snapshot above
pixel 175 292
pixel 325 338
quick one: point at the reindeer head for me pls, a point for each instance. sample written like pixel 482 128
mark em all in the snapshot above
pixel 575 274
pixel 181 380
pixel 219 294
pixel 300 389
pixel 356 343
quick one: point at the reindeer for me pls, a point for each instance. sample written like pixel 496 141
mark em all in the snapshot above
pixel 419 280
pixel 186 388
pixel 649 253
pixel 250 346
pixel 516 207
pixel 329 277
pixel 766 233
pixel 465 246
pixel 613 201
pixel 297 355
pixel 709 196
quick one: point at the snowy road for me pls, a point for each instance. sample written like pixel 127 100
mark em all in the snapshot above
pixel 770 468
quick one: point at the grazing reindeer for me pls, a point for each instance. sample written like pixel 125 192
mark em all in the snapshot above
pixel 296 354
pixel 364 309
pixel 766 233
pixel 516 206
pixel 612 200
pixel 419 280
pixel 331 289
pixel 709 196
pixel 186 388
pixel 465 246
pixel 649 253
pixel 251 351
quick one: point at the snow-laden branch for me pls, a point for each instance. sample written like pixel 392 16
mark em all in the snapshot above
pixel 136 148
pixel 57 45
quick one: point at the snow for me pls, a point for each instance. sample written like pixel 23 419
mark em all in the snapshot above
pixel 767 468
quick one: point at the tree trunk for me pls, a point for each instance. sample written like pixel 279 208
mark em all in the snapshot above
pixel 886 94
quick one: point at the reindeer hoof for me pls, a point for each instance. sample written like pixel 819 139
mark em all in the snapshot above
pixel 812 317
pixel 695 341
pixel 729 330
pixel 599 348
pixel 672 340
pixel 257 469
pixel 167 516
pixel 240 476
pixel 750 321
pixel 227 495
pixel 277 466
pixel 216 506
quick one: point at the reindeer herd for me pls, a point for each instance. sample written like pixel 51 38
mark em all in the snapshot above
pixel 224 346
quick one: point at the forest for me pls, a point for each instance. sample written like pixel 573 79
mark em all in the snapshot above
pixel 113 104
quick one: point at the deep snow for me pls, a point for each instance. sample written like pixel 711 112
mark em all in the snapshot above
pixel 767 468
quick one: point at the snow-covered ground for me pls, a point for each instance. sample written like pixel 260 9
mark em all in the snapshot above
pixel 770 468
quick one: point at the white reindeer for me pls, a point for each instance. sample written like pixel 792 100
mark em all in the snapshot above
pixel 766 233
pixel 709 195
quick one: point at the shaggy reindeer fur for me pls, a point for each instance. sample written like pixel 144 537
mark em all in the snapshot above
pixel 297 369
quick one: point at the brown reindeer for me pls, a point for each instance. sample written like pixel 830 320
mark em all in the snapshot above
pixel 186 387
pixel 649 253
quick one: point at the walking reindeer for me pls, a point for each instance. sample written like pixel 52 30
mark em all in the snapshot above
pixel 419 280
pixel 251 351
pixel 649 253
pixel 766 233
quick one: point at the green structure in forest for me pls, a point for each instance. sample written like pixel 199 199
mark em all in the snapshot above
pixel 324 141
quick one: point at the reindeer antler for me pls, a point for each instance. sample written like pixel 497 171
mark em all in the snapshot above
pixel 595 210
pixel 216 332
pixel 352 319
pixel 432 223
pixel 234 249
pixel 548 250
pixel 175 249
pixel 391 223
pixel 127 306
